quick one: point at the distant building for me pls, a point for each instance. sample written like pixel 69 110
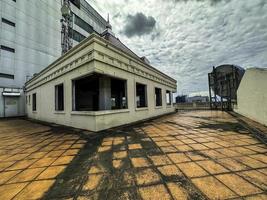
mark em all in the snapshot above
pixel 191 99
pixel 180 99
pixel 197 99
pixel 99 84
pixel 30 39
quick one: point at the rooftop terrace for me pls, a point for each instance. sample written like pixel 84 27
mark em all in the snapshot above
pixel 194 155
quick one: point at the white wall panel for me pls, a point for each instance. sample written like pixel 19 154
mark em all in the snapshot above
pixel 7 63
pixel 252 95
pixel 8 10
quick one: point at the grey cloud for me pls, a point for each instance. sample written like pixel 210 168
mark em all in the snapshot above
pixel 194 35
pixel 138 25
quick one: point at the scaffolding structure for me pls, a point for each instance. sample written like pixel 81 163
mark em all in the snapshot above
pixel 223 84
pixel 66 26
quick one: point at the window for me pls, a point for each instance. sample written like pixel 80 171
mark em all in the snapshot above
pixel 7 48
pixel 29 99
pixel 77 3
pixel 59 97
pixel 81 23
pixel 158 97
pixel 34 102
pixel 86 93
pixel 118 94
pixel 10 76
pixel 99 92
pixel 75 35
pixel 8 22
pixel 141 95
pixel 168 97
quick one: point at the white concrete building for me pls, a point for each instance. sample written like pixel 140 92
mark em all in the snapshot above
pixel 99 84
pixel 252 95
pixel 30 39
pixel 197 99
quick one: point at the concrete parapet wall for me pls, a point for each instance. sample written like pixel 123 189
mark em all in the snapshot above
pixel 252 95
pixel 192 106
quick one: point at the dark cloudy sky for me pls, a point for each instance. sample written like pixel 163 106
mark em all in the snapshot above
pixel 185 38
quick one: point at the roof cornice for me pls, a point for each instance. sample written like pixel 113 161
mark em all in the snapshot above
pixel 95 38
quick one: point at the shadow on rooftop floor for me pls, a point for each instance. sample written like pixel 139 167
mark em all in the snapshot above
pixel 103 169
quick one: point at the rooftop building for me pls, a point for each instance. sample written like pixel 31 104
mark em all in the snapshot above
pixel 99 84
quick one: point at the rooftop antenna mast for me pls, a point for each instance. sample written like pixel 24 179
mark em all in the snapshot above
pixel 66 26
pixel 108 28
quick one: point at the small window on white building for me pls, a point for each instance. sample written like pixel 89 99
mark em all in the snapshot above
pixel 168 97
pixel 158 97
pixel 59 97
pixel 34 102
pixel 141 95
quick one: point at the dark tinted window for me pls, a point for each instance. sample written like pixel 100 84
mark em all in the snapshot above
pixel 141 95
pixel 118 94
pixel 84 25
pixel 59 97
pixel 158 97
pixel 76 3
pixel 3 75
pixel 8 22
pixel 7 48
pixel 34 102
pixel 75 35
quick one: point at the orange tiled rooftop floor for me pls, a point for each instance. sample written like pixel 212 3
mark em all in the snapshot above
pixel 192 155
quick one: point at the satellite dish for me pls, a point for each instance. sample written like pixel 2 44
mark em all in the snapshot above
pixel 65 10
